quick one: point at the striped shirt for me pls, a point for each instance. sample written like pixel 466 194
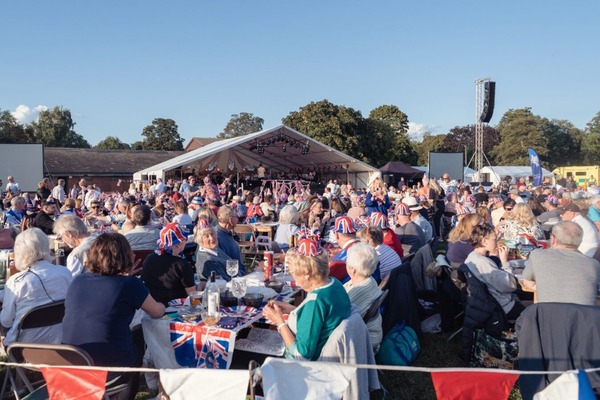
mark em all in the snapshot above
pixel 388 259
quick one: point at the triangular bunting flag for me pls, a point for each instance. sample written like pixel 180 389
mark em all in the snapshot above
pixel 473 385
pixel 570 385
pixel 74 384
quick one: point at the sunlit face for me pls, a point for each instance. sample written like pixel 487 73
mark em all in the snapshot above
pixel 317 208
pixel 208 240
pixel 490 242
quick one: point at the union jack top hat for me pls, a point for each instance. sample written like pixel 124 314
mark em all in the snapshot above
pixel 308 248
pixel 172 234
pixel 402 209
pixel 344 225
pixel 380 220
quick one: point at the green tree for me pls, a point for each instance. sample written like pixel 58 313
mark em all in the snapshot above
pixel 590 144
pixel 519 130
pixel 162 135
pixel 391 115
pixel 137 145
pixel 112 142
pixel 242 124
pixel 386 137
pixel 54 128
pixel 563 148
pixel 429 143
pixel 337 126
pixel 13 132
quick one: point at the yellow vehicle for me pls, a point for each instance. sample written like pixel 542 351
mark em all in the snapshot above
pixel 583 175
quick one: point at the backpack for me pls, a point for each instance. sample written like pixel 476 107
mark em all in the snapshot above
pixel 399 347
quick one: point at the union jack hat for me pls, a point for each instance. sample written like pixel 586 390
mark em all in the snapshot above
pixel 402 209
pixel 494 200
pixel 172 234
pixel 309 248
pixel 552 200
pixel 470 199
pixel 380 220
pixel 344 225
pixel 203 223
pixel 461 210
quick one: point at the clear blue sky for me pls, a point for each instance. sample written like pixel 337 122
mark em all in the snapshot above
pixel 118 64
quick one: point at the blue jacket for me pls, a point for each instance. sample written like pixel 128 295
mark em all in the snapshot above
pixel 376 205
pixel 230 247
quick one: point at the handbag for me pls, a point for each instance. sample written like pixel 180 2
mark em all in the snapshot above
pixel 491 352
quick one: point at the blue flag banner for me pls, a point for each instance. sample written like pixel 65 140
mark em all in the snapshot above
pixel 536 167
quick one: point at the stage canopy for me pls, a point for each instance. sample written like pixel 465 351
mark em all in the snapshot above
pixel 280 149
pixel 401 169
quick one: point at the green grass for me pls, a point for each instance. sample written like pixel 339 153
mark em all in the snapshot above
pixel 436 352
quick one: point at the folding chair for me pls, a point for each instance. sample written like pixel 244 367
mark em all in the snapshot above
pixel 373 310
pixel 57 354
pixel 38 317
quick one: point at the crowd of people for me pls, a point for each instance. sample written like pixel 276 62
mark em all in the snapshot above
pixel 341 247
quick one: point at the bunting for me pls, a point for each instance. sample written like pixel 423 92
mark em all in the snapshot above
pixel 76 384
pixel 473 385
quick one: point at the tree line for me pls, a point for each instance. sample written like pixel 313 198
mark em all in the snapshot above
pixel 380 137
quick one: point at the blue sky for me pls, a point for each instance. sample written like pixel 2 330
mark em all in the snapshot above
pixel 118 64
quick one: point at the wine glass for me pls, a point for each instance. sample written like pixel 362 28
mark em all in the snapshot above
pixel 232 268
pixel 238 289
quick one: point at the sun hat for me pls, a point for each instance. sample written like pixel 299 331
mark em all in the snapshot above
pixel 171 235
pixel 412 203
pixel 344 225
pixel 570 207
pixel 197 200
pixel 380 220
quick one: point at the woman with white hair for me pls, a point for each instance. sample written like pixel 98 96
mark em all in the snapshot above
pixel 288 218
pixel 209 257
pixel 38 282
pixel 362 288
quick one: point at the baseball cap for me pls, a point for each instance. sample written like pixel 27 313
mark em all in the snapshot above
pixel 344 225
pixel 171 235
pixel 197 200
pixel 380 220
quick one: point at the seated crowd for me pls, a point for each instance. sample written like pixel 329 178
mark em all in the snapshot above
pixel 340 247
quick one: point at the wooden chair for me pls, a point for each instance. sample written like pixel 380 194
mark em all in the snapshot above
pixel 57 354
pixel 38 317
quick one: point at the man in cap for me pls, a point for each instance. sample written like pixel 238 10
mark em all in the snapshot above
pixel 45 218
pixel 167 275
pixel 417 218
pixel 562 274
pixel 590 239
pixel 410 234
pixel 345 236
pixel 514 194
pixel 552 211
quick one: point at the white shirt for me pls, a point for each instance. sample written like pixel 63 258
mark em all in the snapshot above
pixel 590 240
pixel 76 258
pixel 58 193
pixel 43 283
pixel 13 188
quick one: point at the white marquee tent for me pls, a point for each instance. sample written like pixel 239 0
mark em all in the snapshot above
pixel 498 173
pixel 279 149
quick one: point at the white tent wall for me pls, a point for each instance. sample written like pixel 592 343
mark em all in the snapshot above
pixel 236 153
pixel 498 173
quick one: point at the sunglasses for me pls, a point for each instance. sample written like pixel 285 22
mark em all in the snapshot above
pixel 95 207
pixel 508 209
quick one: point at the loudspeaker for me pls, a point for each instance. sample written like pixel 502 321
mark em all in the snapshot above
pixel 489 89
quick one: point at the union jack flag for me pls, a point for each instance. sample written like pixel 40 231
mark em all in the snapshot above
pixel 201 346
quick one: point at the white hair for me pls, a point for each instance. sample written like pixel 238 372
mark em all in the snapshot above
pixel 31 246
pixel 362 258
pixel 72 224
pixel 288 215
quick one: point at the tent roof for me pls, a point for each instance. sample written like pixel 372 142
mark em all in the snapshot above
pixel 238 151
pixel 514 171
pixel 398 167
